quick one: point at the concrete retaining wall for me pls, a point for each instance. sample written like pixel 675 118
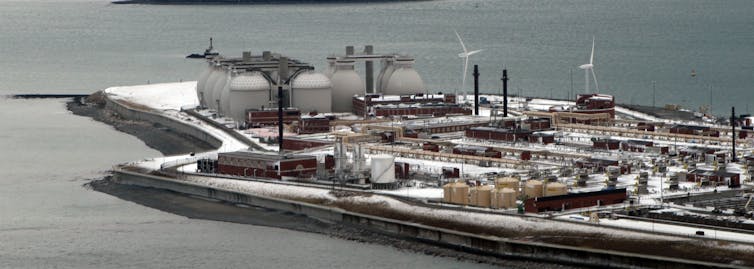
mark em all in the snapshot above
pixel 155 118
pixel 488 245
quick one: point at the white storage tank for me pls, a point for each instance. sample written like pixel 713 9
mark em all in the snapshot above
pixel 247 91
pixel 312 91
pixel 404 79
pixel 383 169
pixel 216 74
pixel 217 88
pixel 201 81
pixel 345 84
pixel 384 76
pixel 225 96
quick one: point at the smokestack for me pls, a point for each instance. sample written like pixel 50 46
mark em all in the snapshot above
pixel 283 69
pixel 349 50
pixel 369 69
pixel 280 118
pixel 476 90
pixel 733 132
pixel 505 92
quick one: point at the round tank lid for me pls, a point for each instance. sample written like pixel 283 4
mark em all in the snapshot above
pixel 311 80
pixel 253 81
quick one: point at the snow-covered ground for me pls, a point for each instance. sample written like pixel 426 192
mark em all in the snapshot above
pixel 163 96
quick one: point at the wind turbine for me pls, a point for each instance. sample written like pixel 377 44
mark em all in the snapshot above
pixel 590 68
pixel 465 55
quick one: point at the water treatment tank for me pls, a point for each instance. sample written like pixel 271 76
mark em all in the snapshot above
pixel 456 193
pixel 481 196
pixel 248 91
pixel 201 81
pixel 555 188
pixel 404 79
pixel 222 79
pixel 533 188
pixel 383 169
pixel 385 72
pixel 507 182
pixel 504 198
pixel 312 91
pixel 215 75
pixel 345 84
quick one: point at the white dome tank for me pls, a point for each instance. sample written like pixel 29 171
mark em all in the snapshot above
pixel 225 96
pixel 216 74
pixel 345 84
pixel 405 79
pixel 222 79
pixel 247 91
pixel 384 76
pixel 203 76
pixel 330 66
pixel 312 92
pixel 383 169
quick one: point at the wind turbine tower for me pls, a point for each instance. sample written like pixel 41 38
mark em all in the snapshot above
pixel 589 67
pixel 465 55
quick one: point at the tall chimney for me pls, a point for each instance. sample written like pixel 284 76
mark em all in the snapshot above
pixel 280 118
pixel 369 69
pixel 733 132
pixel 505 92
pixel 476 90
pixel 349 50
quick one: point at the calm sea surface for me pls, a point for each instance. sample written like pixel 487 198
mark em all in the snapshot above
pixel 47 219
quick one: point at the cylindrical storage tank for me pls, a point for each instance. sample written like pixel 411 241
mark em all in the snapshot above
pixel 247 91
pixel 481 196
pixel 222 79
pixel 447 193
pixel 504 198
pixel 533 188
pixel 225 96
pixel 405 79
pixel 383 169
pixel 312 92
pixel 345 84
pixel 201 81
pixel 209 89
pixel 330 66
pixel 507 182
pixel 459 193
pixel 555 188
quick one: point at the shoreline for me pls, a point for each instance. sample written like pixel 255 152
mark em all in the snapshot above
pixel 188 206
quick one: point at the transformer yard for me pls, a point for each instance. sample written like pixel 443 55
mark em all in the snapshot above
pixel 585 161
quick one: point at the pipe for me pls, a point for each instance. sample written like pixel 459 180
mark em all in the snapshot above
pixel 280 118
pixel 733 132
pixel 505 92
pixel 476 90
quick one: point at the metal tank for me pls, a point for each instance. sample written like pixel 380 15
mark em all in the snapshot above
pixel 384 76
pixel 533 188
pixel 345 84
pixel 247 91
pixel 208 86
pixel 383 169
pixel 217 88
pixel 225 96
pixel 311 91
pixel 201 81
pixel 555 188
pixel 504 198
pixel 481 196
pixel 507 182
pixel 404 79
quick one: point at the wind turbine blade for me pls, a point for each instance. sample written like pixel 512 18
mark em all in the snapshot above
pixel 473 52
pixel 591 58
pixel 596 86
pixel 460 40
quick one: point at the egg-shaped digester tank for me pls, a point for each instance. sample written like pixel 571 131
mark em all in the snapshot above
pixel 312 91
pixel 384 76
pixel 222 79
pixel 248 91
pixel 225 95
pixel 215 75
pixel 404 79
pixel 201 81
pixel 345 84
pixel 330 66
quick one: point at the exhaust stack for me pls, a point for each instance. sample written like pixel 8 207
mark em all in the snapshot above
pixel 505 92
pixel 476 90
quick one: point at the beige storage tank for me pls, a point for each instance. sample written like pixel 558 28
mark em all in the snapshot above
pixel 312 92
pixel 508 182
pixel 482 195
pixel 203 76
pixel 456 193
pixel 222 79
pixel 503 198
pixel 248 91
pixel 345 84
pixel 404 79
pixel 555 188
pixel 209 84
pixel 533 188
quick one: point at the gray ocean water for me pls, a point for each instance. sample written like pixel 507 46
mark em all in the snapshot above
pixel 47 219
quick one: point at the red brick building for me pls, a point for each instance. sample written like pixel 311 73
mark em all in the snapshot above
pixel 250 164
pixel 575 200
